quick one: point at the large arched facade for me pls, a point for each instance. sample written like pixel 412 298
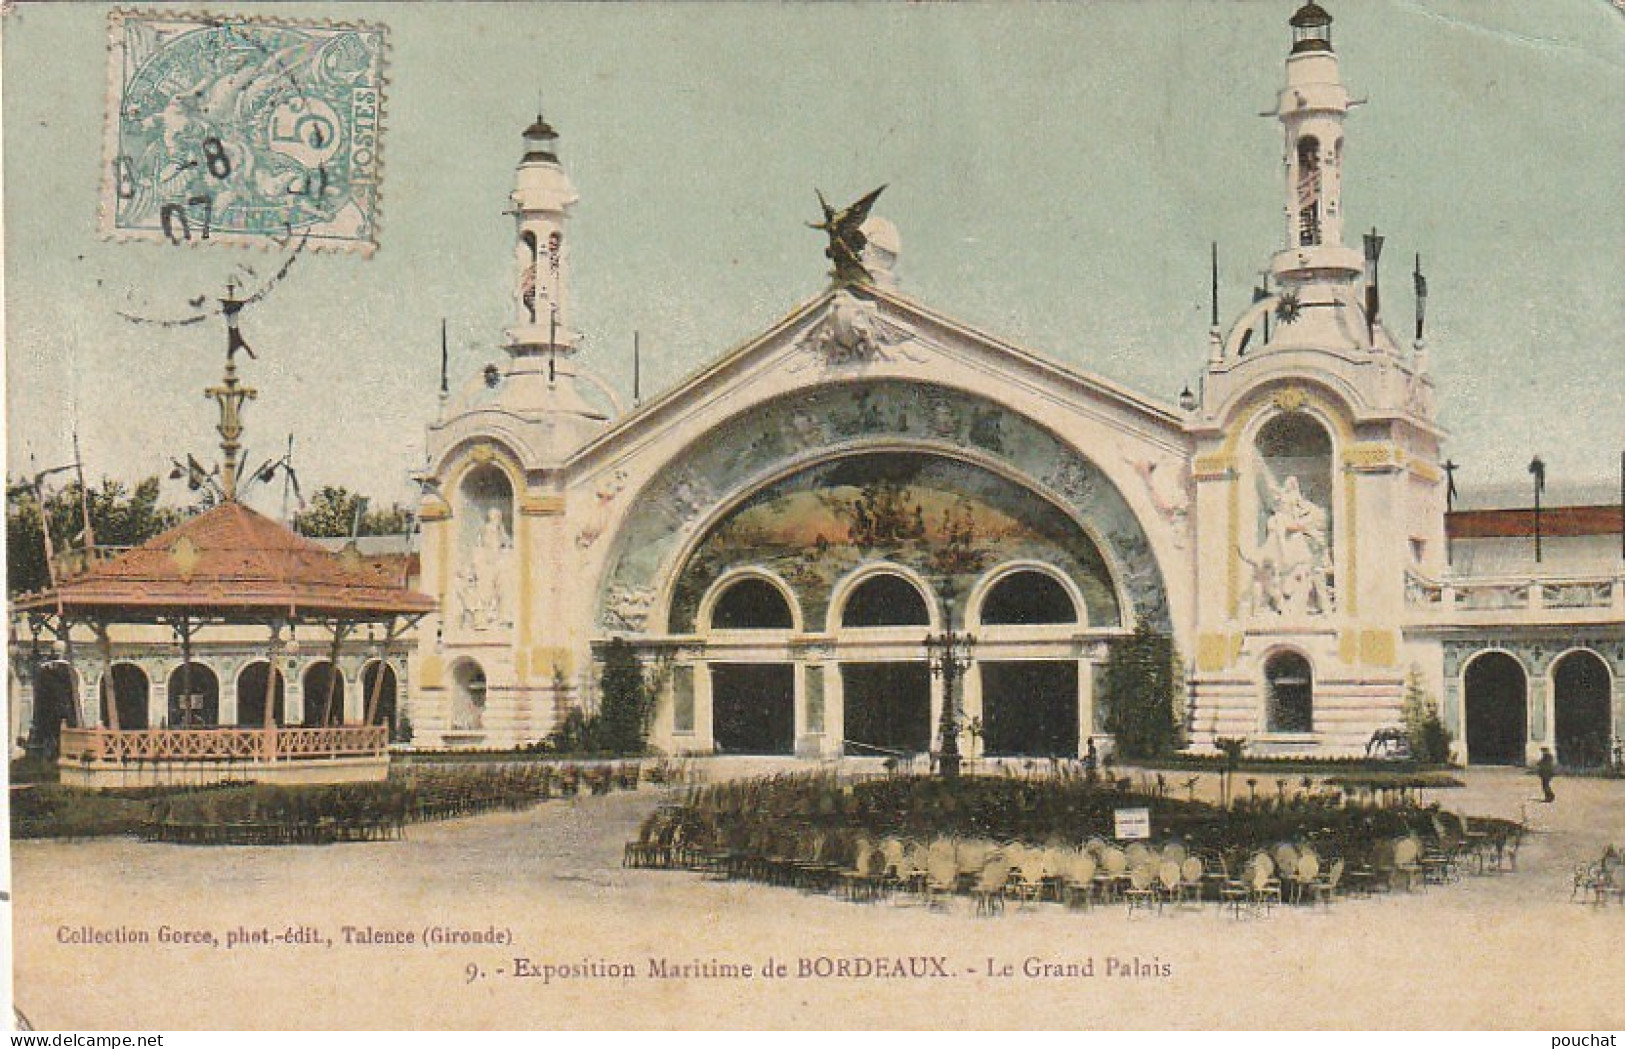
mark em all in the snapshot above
pixel 806 548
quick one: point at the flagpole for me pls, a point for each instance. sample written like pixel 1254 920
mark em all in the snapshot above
pixel 84 500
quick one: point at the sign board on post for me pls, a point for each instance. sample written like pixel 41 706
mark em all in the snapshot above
pixel 1131 824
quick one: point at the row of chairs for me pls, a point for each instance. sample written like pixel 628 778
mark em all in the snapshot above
pixel 1600 880
pixel 1098 873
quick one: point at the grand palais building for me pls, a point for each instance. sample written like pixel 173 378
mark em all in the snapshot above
pixel 777 535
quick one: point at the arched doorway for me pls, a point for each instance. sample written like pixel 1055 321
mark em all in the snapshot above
pixel 382 696
pixel 251 688
pixel 1581 684
pixel 753 705
pixel 1497 710
pixel 55 703
pixel 130 690
pixel 324 695
pixel 1029 706
pixel 194 697
pixel 887 705
pixel 1289 684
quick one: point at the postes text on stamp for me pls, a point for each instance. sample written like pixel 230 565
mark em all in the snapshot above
pixel 243 130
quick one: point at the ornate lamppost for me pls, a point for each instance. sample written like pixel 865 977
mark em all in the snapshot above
pixel 949 654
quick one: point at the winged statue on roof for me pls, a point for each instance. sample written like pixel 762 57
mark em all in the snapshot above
pixel 846 238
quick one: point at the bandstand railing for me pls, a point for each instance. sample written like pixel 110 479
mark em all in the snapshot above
pixel 117 746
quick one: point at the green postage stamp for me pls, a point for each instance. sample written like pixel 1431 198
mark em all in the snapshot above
pixel 243 130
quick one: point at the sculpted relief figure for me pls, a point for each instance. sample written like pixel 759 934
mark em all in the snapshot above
pixel 482 603
pixel 1292 567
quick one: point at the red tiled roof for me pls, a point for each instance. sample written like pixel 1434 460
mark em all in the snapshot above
pixel 1556 521
pixel 231 558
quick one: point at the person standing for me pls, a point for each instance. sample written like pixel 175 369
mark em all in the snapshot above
pixel 1546 768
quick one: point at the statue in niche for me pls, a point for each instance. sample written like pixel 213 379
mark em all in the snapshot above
pixel 481 602
pixel 1292 568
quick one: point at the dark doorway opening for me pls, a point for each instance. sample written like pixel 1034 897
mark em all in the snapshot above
pixel 251 696
pixel 753 708
pixel 1030 708
pixel 1581 686
pixel 1497 710
pixel 384 709
pixel 194 697
pixel 130 690
pixel 887 707
pixel 54 703
pixel 324 695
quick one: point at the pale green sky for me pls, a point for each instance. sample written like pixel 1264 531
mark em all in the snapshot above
pixel 1056 172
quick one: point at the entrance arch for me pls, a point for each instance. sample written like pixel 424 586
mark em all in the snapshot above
pixel 194 697
pixel 1497 702
pixel 251 695
pixel 56 691
pixel 384 707
pixel 324 695
pixel 130 691
pixel 1581 687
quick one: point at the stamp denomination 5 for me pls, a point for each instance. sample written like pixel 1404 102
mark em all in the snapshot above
pixel 243 130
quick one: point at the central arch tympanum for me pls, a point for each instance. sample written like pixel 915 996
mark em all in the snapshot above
pixel 852 434
pixel 947 520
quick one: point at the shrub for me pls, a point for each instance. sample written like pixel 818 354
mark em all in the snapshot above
pixel 1139 694
pixel 1424 730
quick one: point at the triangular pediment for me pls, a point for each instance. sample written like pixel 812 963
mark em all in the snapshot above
pixel 863 332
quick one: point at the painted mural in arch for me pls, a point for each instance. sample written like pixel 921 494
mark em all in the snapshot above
pixel 753 449
pixel 949 520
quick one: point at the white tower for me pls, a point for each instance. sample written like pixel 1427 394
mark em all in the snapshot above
pixel 540 387
pixel 541 198
pixel 1311 109
pixel 1317 474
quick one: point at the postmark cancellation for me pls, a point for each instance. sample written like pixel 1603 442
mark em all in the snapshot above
pixel 243 130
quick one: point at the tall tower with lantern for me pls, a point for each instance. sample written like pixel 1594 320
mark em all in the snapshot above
pixel 494 670
pixel 1316 467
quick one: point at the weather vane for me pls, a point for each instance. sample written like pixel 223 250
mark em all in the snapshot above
pixel 846 239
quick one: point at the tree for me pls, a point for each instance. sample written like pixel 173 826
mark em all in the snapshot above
pixel 119 516
pixel 621 724
pixel 1429 740
pixel 628 701
pixel 336 512
pixel 1138 692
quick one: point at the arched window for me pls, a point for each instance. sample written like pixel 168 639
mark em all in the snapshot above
pixel 885 600
pixel 1308 191
pixel 751 604
pixel 1290 684
pixel 1026 598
